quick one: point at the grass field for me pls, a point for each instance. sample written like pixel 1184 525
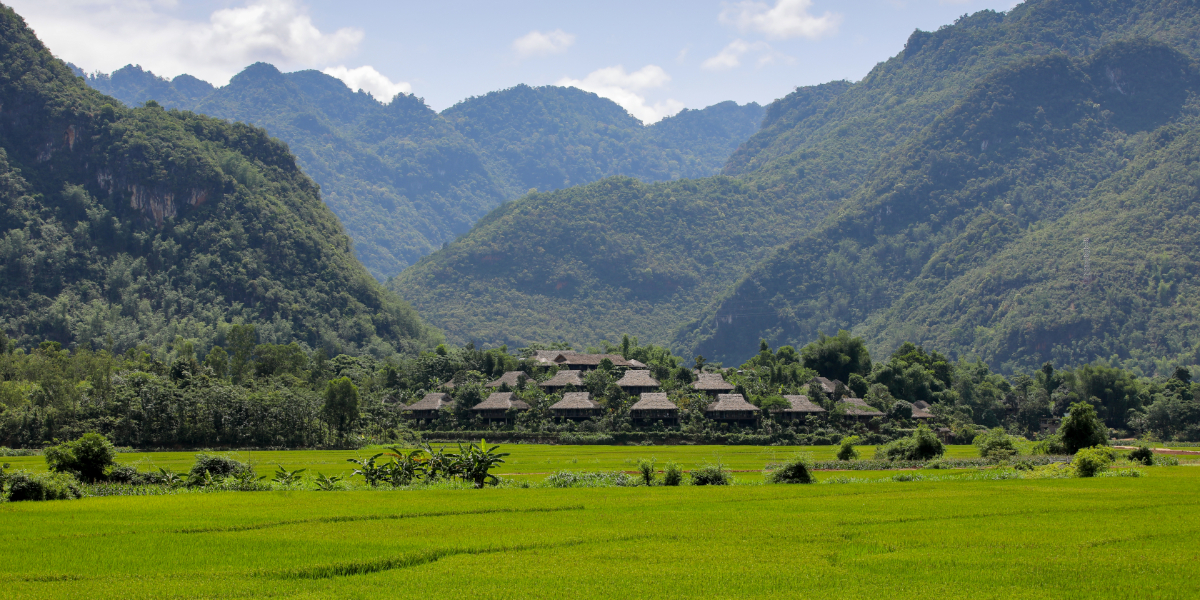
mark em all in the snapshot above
pixel 1064 538
pixel 527 461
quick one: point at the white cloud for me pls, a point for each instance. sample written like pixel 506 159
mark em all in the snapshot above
pixel 787 19
pixel 731 56
pixel 536 43
pixel 108 34
pixel 369 80
pixel 626 89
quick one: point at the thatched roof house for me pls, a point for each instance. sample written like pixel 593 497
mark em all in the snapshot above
pixel 637 382
pixel 828 386
pixel 510 378
pixel 921 413
pixel 562 379
pixel 576 405
pixel 654 407
pixel 498 405
pixel 857 407
pixel 429 406
pixel 921 404
pixel 582 362
pixel 801 407
pixel 732 408
pixel 712 383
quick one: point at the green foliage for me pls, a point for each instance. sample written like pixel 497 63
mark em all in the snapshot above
pixel 341 404
pixel 846 449
pixel 1089 462
pixel 711 474
pixel 837 357
pixel 476 461
pixel 1144 455
pixel 23 486
pixel 672 474
pixel 287 478
pixel 996 444
pixel 87 457
pixel 1081 428
pixel 646 470
pixel 795 470
pixel 210 467
pixel 921 445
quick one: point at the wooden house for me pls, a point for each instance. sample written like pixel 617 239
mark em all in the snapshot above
pixel 576 406
pixel 801 408
pixel 654 407
pixel 497 407
pixel 562 379
pixel 582 362
pixel 921 412
pixel 429 407
pixel 636 383
pixel 858 408
pixel 733 408
pixel 712 384
pixel 829 386
pixel 511 378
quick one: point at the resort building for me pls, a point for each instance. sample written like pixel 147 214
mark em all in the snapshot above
pixel 563 379
pixel 801 408
pixel 858 408
pixel 733 408
pixel 576 406
pixel 636 383
pixel 582 362
pixel 511 378
pixel 655 407
pixel 429 406
pixel 498 405
pixel 712 384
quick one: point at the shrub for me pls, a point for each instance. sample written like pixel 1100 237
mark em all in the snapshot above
pixel 89 457
pixel 588 479
pixel 23 485
pixel 1081 428
pixel 646 468
pixel 1090 461
pixel 211 466
pixel 1051 446
pixel 711 474
pixel 847 451
pixel 796 470
pixel 996 445
pixel 1165 461
pixel 1143 455
pixel 672 474
pixel 921 445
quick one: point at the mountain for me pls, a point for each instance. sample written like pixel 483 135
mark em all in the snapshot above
pixel 404 180
pixel 126 227
pixel 976 236
pixel 819 152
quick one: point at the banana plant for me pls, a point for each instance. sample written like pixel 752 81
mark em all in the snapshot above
pixel 406 466
pixel 475 462
pixel 371 472
pixel 287 478
pixel 170 478
pixel 441 464
pixel 326 484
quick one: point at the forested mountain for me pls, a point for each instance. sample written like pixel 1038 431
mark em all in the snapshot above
pixel 404 179
pixel 123 227
pixel 819 149
pixel 973 237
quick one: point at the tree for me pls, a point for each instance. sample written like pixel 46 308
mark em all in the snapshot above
pixel 218 360
pixel 1081 428
pixel 341 404
pixel 241 339
pixel 89 457
pixel 836 357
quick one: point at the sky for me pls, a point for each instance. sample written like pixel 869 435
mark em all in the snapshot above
pixel 653 57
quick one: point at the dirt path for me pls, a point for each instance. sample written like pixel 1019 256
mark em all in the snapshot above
pixel 1161 450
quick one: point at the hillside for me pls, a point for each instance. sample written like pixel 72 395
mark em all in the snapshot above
pixel 137 226
pixel 404 179
pixel 970 238
pixel 817 147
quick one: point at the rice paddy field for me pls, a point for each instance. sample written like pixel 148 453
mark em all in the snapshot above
pixel 1112 537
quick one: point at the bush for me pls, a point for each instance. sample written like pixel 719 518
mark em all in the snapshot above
pixel 921 445
pixel 796 470
pixel 711 474
pixel 996 445
pixel 215 467
pixel 23 485
pixel 586 479
pixel 646 469
pixel 1090 461
pixel 88 457
pixel 672 474
pixel 1051 446
pixel 847 451
pixel 1081 428
pixel 1143 455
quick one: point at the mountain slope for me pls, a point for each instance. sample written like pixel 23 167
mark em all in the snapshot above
pixel 1014 157
pixel 123 227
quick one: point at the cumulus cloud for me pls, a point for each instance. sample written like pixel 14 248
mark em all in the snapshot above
pixel 627 90
pixel 536 43
pixel 731 56
pixel 369 80
pixel 787 19
pixel 108 34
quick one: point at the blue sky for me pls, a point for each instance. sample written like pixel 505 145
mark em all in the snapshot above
pixel 654 57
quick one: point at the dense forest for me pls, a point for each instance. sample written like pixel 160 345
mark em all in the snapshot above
pixel 822 154
pixel 250 394
pixel 404 180
pixel 124 227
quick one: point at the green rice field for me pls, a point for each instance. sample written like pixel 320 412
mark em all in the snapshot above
pixel 1116 537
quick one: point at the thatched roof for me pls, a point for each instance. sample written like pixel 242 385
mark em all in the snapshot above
pixel 511 378
pixel 858 407
pixel 801 404
pixel 657 401
pixel 564 378
pixel 730 402
pixel 432 402
pixel 637 379
pixel 501 401
pixel 921 404
pixel 712 382
pixel 828 386
pixel 572 358
pixel 449 385
pixel 576 401
pixel 920 413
